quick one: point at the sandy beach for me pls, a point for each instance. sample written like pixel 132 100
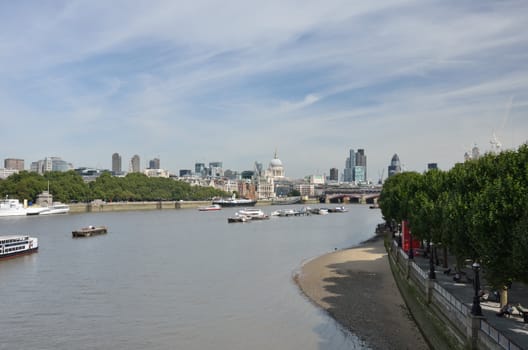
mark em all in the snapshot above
pixel 356 287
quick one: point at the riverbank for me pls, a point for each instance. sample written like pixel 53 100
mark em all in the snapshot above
pixel 100 206
pixel 356 287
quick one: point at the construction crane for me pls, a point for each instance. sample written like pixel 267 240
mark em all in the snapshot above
pixel 380 175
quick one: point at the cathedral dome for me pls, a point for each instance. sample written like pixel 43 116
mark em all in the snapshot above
pixel 275 162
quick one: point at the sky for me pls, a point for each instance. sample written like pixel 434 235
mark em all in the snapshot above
pixel 236 80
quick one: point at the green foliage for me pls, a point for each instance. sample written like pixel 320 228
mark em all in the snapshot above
pixel 479 209
pixel 69 186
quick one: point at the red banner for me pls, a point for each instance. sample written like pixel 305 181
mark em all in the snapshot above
pixel 406 237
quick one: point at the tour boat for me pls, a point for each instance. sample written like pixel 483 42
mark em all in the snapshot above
pixel 56 208
pixel 90 231
pixel 13 207
pixel 13 245
pixel 210 207
pixel 253 213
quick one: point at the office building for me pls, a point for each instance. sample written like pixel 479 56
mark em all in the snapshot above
pixel 50 164
pixel 116 163
pixel 431 166
pixel 154 164
pixel 199 169
pixel 350 163
pixel 215 169
pixel 395 165
pixel 12 163
pixel 135 164
pixel 356 161
pixel 334 174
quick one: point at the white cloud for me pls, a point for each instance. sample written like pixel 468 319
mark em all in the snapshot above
pixel 410 77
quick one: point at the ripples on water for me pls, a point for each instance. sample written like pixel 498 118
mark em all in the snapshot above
pixel 172 279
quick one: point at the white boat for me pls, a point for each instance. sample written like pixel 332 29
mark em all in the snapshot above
pixel 13 207
pixel 319 211
pixel 253 213
pixel 291 212
pixel 56 208
pixel 13 245
pixel 210 207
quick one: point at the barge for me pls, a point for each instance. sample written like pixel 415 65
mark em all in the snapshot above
pixel 90 231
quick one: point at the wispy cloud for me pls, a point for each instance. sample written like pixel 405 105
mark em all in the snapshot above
pixel 231 81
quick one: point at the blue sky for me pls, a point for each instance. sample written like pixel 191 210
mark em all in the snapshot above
pixel 232 81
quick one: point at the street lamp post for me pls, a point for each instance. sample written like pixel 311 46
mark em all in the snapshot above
pixel 476 310
pixel 432 273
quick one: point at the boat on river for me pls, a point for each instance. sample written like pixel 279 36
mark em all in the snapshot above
pixel 235 202
pixel 13 207
pixel 319 211
pixel 14 245
pixel 291 212
pixel 90 231
pixel 238 218
pixel 253 213
pixel 340 209
pixel 212 207
pixel 55 208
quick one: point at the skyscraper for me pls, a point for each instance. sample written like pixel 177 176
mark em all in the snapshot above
pixel 395 166
pixel 361 161
pixel 135 164
pixel 116 163
pixel 348 173
pixel 154 164
pixel 334 174
pixel 199 169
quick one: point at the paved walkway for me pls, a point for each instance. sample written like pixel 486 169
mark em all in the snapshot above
pixel 513 327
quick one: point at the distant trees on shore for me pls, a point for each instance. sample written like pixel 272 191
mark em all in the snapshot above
pixel 69 187
pixel 478 210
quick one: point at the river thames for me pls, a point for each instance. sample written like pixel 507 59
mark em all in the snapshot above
pixel 172 279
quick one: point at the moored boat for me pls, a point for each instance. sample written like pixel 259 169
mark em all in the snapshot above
pixel 238 218
pixel 212 207
pixel 254 214
pixel 235 202
pixel 14 245
pixel 13 207
pixel 56 208
pixel 340 209
pixel 319 211
pixel 89 231
pixel 291 212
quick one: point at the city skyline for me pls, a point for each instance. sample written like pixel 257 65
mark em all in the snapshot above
pixel 198 82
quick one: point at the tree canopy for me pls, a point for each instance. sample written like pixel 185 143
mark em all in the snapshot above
pixel 478 209
pixel 69 187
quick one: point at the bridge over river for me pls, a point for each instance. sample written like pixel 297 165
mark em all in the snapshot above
pixel 363 195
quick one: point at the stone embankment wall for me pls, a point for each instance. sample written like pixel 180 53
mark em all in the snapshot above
pixel 125 206
pixel 442 317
